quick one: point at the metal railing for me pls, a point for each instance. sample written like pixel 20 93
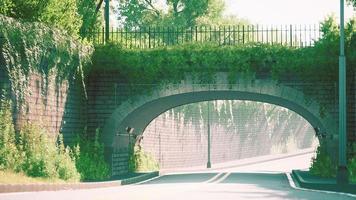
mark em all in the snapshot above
pixel 152 37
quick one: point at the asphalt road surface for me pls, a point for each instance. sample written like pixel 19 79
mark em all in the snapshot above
pixel 223 183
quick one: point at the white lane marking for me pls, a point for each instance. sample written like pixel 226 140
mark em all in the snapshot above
pixel 214 178
pixel 292 184
pixel 151 179
pixel 223 178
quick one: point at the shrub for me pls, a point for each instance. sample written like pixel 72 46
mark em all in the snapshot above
pixel 32 151
pixel 141 161
pixel 44 157
pixel 322 164
pixel 10 157
pixel 65 162
pixel 352 169
pixel 90 160
pixel 39 154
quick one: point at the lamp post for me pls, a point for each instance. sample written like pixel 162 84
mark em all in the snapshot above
pixel 342 176
pixel 208 164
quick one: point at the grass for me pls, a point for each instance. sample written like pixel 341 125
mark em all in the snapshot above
pixel 9 177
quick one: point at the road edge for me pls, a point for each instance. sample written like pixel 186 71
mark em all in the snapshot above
pixel 37 187
pixel 293 183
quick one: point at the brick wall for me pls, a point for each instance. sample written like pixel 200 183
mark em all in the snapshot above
pixel 351 114
pixel 4 80
pixel 107 90
pixel 59 108
pixel 237 132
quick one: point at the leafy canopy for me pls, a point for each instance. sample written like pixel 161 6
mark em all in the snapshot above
pixel 74 16
pixel 185 13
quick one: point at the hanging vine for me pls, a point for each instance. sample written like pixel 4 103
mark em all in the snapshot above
pixel 33 48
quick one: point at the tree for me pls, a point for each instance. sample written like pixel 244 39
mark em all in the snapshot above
pixel 185 13
pixel 74 16
pixel 29 10
pixel 352 2
pixel 62 14
pixel 91 17
pixel 5 6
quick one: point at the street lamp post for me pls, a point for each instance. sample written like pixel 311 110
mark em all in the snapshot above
pixel 342 176
pixel 208 164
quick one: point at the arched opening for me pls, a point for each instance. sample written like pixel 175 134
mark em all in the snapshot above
pixel 140 113
pixel 241 131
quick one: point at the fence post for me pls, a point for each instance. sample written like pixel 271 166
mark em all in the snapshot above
pixel 196 34
pixel 291 35
pixel 243 34
pixel 103 35
pixel 149 37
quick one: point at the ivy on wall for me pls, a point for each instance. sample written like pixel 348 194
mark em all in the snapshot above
pixel 27 48
pixel 151 66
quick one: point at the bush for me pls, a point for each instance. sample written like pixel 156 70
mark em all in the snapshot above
pixel 38 153
pixel 90 160
pixel 10 157
pixel 322 164
pixel 141 161
pixel 33 152
pixel 352 169
pixel 43 157
pixel 65 162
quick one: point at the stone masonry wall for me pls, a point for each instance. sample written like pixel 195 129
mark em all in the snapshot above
pixel 59 108
pixel 106 91
pixel 240 130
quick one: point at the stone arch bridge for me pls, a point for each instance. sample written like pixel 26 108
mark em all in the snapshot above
pixel 114 106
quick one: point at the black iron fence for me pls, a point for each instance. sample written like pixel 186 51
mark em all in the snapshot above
pixel 151 37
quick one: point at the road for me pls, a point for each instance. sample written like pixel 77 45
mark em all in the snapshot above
pixel 250 180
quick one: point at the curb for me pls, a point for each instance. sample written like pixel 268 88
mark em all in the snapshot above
pixel 9 188
pixel 140 178
pixel 325 185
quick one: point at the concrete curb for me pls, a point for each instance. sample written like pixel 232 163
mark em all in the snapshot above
pixel 8 188
pixel 304 181
pixel 140 178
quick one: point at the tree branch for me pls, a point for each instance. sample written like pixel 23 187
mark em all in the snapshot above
pixel 98 6
pixel 152 7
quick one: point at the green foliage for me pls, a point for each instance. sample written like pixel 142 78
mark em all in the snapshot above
pixel 184 13
pixel 352 2
pixel 63 15
pixel 90 161
pixel 322 164
pixel 9 154
pixel 30 48
pixel 72 16
pixel 65 162
pixel 29 10
pixel 141 161
pixel 170 63
pixel 5 6
pixel 352 169
pixel 32 151
pixel 38 155
pixel 43 157
pixel 91 20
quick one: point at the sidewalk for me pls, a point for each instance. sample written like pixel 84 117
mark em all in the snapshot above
pixel 300 160
pixel 305 180
pixel 116 181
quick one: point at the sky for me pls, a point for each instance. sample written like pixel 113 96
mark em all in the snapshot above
pixel 283 12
